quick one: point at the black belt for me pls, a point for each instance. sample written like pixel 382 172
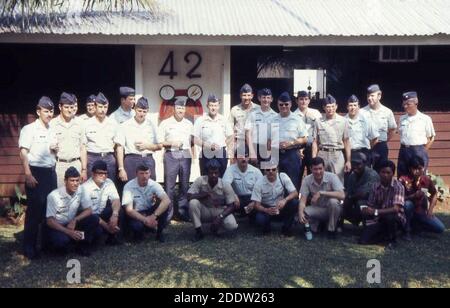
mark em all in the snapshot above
pixel 412 146
pixel 140 155
pixel 67 160
pixel 104 154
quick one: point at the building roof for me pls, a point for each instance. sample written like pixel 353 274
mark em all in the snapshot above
pixel 260 18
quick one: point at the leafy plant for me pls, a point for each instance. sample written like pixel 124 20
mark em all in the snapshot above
pixel 441 186
pixel 16 211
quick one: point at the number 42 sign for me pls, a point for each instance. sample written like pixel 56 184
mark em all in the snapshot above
pixel 168 68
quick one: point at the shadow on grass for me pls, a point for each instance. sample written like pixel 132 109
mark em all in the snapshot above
pixel 246 260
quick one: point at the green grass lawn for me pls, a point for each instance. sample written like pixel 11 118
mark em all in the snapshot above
pixel 245 260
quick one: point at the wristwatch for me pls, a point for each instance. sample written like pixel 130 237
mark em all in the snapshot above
pixel 221 216
pixel 121 168
pixel 156 215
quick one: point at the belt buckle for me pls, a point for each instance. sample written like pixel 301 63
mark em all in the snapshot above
pixel 144 155
pixel 103 154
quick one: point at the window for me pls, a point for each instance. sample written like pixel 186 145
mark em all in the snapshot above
pixel 396 54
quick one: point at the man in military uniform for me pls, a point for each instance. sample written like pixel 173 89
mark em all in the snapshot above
pixel 37 145
pixel 288 136
pixel 331 140
pixel 176 136
pixel 258 127
pixel 242 177
pixel 214 134
pixel 384 120
pixel 321 193
pixel 137 141
pixel 101 137
pixel 211 201
pixel 363 134
pixel 416 134
pixel 68 220
pixel 239 113
pixel 71 140
pixel 139 200
pixel 309 116
pixel 275 196
pixel 127 101
pixel 100 194
pixel 90 108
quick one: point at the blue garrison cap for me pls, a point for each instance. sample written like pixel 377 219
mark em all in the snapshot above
pixel 74 97
pixel 409 95
pixel 180 102
pixel 373 88
pixel 212 99
pixel 46 103
pixel 101 99
pixel 353 99
pixel 72 172
pixel 285 97
pixel 246 88
pixel 66 99
pixel 329 100
pixel 91 99
pixel 302 94
pixel 213 164
pixel 264 92
pixel 126 91
pixel 142 103
pixel 99 165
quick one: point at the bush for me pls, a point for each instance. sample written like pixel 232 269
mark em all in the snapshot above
pixel 441 186
pixel 15 210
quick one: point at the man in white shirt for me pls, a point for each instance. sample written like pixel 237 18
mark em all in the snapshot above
pixel 140 197
pixel 176 136
pixel 68 220
pixel 417 134
pixel 38 147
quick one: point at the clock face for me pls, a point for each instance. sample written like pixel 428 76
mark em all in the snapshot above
pixel 194 92
pixel 167 92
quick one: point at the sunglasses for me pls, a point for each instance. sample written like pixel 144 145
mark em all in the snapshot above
pixel 283 105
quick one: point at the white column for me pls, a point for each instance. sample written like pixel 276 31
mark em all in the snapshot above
pixel 138 71
pixel 226 81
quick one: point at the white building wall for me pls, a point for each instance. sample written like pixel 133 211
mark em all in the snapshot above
pixel 215 78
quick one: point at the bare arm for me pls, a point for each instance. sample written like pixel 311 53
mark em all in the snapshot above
pixel 315 148
pixel 429 143
pixel 30 181
pixel 391 134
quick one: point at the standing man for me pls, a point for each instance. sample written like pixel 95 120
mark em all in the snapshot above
pixel 67 219
pixel 127 100
pixel 139 200
pixel 214 134
pixel 243 177
pixel 384 120
pixel 309 116
pixel 211 201
pixel 239 113
pixel 176 136
pixel 90 108
pixel 71 141
pixel 275 196
pixel 37 145
pixel 385 210
pixel 258 128
pixel 416 134
pixel 100 194
pixel 137 141
pixel 363 134
pixel 288 136
pixel 101 137
pixel 331 140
